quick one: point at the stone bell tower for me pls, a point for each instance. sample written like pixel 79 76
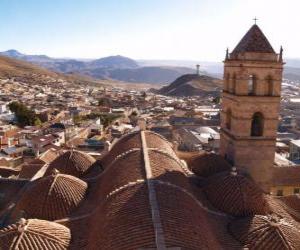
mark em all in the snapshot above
pixel 250 105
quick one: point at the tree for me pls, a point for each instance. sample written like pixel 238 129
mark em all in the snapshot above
pixel 24 115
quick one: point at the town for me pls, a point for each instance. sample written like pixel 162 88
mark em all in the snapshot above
pixel 102 151
pixel 91 119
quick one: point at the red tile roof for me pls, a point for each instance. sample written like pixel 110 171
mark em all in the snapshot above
pixel 71 162
pixel 51 198
pixel 208 164
pixel 145 199
pixel 266 232
pixel 253 41
pixel 235 194
pixel 35 235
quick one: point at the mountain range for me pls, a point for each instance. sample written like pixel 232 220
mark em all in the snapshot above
pixel 124 69
pixel 108 68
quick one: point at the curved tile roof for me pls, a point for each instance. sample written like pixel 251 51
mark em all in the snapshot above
pixel 123 221
pixel 291 204
pixel 52 197
pixel 71 162
pixel 208 164
pixel 35 235
pixel 236 194
pixel 155 140
pixel 125 143
pixel 266 232
pixel 254 41
pixel 178 208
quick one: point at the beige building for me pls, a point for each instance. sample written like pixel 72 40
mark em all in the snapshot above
pixel 250 105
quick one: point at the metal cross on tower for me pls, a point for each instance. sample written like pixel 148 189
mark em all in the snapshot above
pixel 255 19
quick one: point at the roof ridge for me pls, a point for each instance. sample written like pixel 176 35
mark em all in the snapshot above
pixel 159 234
pixel 21 228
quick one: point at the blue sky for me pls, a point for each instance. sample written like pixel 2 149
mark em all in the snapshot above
pixel 144 29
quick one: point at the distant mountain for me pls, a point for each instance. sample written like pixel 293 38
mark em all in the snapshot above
pixel 109 68
pixel 192 84
pixel 117 62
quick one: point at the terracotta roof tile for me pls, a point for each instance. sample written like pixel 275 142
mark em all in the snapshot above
pixel 125 143
pixel 126 168
pixel 208 164
pixel 71 162
pixel 51 198
pixel 35 235
pixel 235 194
pixel 254 41
pixel 185 224
pixel 266 232
pixel 123 221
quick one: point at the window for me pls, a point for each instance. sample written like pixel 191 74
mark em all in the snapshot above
pixel 228 119
pixel 279 192
pixel 257 124
pixel 251 85
pixel 296 190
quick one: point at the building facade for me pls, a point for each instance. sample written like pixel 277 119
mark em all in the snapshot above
pixel 250 105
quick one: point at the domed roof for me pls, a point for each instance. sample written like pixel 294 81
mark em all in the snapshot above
pixel 52 197
pixel 236 194
pixel 266 232
pixel 35 235
pixel 71 162
pixel 208 164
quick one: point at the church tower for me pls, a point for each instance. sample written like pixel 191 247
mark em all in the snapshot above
pixel 250 105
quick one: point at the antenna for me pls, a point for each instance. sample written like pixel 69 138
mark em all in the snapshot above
pixel 198 69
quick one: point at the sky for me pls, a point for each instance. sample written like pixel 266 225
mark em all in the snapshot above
pixel 199 30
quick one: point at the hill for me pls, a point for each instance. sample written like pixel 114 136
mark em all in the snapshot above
pixel 192 84
pixel 14 68
pixel 119 62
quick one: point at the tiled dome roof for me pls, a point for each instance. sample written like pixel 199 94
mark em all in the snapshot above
pixel 35 235
pixel 266 232
pixel 52 197
pixel 71 162
pixel 125 143
pixel 208 164
pixel 236 194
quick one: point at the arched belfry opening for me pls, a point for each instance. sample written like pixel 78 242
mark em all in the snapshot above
pixel 251 84
pixel 228 119
pixel 257 124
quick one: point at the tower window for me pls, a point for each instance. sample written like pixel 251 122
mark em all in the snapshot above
pixel 228 119
pixel 251 85
pixel 257 124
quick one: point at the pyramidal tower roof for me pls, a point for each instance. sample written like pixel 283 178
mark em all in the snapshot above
pixel 254 41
